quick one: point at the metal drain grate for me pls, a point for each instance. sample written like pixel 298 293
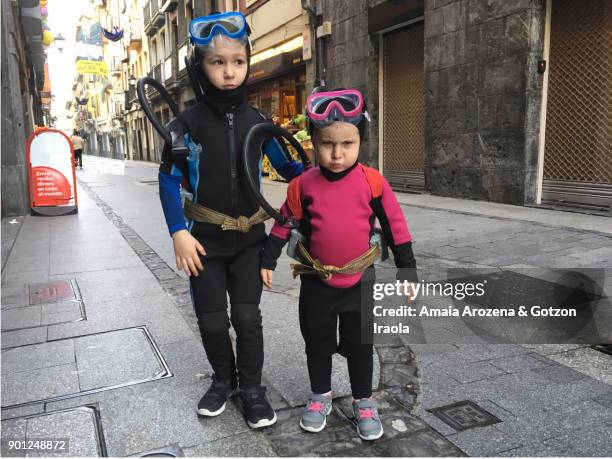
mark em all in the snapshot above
pixel 464 415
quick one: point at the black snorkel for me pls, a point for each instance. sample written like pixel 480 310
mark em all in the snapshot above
pixel 172 133
pixel 254 135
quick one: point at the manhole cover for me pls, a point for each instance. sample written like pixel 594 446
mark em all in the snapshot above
pixel 464 415
pixel 82 365
pixel 166 451
pixel 76 432
pixel 52 292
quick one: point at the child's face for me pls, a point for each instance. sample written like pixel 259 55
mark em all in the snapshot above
pixel 337 146
pixel 225 64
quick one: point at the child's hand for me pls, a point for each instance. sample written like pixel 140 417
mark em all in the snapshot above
pixel 186 249
pixel 266 277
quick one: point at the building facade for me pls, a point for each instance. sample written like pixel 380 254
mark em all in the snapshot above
pixel 505 101
pixel 478 99
pixel 23 79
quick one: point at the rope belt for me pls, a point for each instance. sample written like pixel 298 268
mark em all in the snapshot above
pixel 312 266
pixel 199 213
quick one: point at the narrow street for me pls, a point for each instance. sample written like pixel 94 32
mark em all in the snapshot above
pixel 110 356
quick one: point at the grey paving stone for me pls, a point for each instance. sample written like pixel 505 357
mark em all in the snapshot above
pixel 113 358
pixel 12 279
pixel 594 441
pixel 76 426
pixel 559 374
pixel 13 319
pixel 114 284
pixel 21 411
pixel 23 337
pixel 170 328
pixel 605 399
pixel 587 361
pixel 14 296
pixel 37 356
pixel 162 414
pixel 186 359
pixel 61 317
pixel 483 441
pixel 249 444
pixel 75 265
pixel 60 306
pixel 35 385
pixel 474 372
pixel 536 450
pixel 427 443
pixel 279 310
pixel 13 430
pixel 547 349
pixel 520 363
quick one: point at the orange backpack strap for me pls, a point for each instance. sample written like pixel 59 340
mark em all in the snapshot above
pixel 294 199
pixel 375 180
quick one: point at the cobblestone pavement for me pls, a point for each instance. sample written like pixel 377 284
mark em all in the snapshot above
pixel 112 359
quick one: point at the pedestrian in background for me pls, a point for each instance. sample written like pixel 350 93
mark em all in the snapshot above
pixel 77 145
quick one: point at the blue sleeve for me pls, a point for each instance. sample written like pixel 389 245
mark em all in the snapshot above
pixel 170 196
pixel 281 160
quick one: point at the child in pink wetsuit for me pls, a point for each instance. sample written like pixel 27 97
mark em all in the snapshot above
pixel 337 209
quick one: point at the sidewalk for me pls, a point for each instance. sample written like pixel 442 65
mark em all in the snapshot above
pixel 110 356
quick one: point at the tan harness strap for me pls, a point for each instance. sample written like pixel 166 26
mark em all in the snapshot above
pixel 313 266
pixel 199 213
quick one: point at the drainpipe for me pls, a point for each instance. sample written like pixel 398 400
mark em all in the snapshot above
pixel 315 20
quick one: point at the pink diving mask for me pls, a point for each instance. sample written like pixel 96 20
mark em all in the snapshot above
pixel 323 108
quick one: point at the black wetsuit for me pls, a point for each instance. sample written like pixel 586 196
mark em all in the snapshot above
pixel 231 263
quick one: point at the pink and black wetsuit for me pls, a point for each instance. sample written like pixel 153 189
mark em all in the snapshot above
pixel 339 214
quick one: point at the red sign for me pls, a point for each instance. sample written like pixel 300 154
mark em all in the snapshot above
pixel 51 173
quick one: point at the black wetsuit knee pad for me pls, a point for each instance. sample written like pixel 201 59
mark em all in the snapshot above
pixel 245 316
pixel 214 322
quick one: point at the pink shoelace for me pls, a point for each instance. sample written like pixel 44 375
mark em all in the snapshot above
pixel 315 406
pixel 366 413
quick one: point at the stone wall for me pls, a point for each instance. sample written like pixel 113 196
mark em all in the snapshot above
pixel 483 97
pixel 16 120
pixel 351 61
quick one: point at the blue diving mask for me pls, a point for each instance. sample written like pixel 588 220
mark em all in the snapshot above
pixel 232 24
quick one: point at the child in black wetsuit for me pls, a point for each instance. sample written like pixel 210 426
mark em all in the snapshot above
pixel 218 247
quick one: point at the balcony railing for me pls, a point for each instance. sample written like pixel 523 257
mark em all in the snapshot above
pixel 154 18
pixel 116 65
pixel 130 97
pixel 182 53
pixel 146 14
pixel 157 73
pixel 169 70
pixel 134 41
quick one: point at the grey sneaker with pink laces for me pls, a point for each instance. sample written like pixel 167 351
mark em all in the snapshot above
pixel 315 414
pixel 369 426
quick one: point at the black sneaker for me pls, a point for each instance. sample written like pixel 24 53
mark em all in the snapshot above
pixel 214 400
pixel 257 409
